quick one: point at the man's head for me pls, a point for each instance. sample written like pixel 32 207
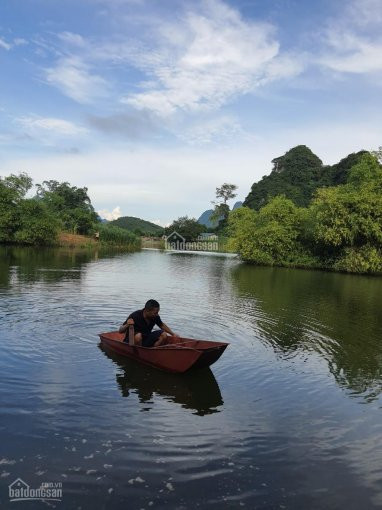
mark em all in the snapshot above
pixel 151 308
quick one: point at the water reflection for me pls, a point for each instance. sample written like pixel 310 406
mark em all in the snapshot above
pixel 20 264
pixel 336 315
pixel 197 390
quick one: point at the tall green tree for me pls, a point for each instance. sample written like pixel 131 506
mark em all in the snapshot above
pixel 70 204
pixel 223 193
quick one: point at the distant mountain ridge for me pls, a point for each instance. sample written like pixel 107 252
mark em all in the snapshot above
pixel 204 218
pixel 138 225
pixel 297 175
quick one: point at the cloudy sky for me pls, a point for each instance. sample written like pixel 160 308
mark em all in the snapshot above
pixel 151 104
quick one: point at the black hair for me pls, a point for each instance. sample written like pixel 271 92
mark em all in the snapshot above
pixel 151 303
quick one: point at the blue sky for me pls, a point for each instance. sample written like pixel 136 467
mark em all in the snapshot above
pixel 152 104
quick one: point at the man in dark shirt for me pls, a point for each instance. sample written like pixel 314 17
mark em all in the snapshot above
pixel 143 322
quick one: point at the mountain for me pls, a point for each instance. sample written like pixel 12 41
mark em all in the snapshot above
pixel 297 175
pixel 141 227
pixel 204 219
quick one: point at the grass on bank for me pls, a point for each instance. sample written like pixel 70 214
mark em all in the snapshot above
pixel 108 236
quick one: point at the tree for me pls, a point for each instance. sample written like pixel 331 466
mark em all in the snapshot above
pixel 20 184
pixel 25 221
pixel 36 225
pixel 224 193
pixel 347 219
pixel 12 190
pixel 187 227
pixel 70 204
pixel 270 236
pixel 8 212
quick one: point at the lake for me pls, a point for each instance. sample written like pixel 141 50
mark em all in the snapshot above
pixel 289 417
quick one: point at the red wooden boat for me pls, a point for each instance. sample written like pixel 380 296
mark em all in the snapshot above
pixel 178 355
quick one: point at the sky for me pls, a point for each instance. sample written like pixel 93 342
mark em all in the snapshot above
pixel 152 104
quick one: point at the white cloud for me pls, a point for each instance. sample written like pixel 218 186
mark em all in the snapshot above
pixel 72 39
pixel 218 129
pixel 168 183
pixel 159 223
pixel 207 58
pixel 353 54
pixel 365 12
pixel 5 45
pixel 53 125
pixel 20 41
pixel 200 60
pixel 16 42
pixel 355 40
pixel 113 215
pixel 73 77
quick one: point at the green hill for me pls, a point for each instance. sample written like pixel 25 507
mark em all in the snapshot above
pixel 141 227
pixel 297 175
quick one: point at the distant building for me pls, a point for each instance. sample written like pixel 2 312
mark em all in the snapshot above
pixel 207 236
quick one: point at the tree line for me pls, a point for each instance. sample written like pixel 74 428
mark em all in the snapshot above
pixel 339 229
pixel 55 207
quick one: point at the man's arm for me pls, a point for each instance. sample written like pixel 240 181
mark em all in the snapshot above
pixel 124 327
pixel 167 329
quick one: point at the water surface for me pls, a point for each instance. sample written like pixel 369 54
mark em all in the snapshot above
pixel 289 417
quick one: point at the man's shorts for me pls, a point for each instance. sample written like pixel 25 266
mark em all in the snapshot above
pixel 150 339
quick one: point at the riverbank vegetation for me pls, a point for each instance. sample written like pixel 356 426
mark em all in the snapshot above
pixel 339 229
pixel 55 208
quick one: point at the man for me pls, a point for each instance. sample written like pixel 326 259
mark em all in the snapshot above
pixel 143 322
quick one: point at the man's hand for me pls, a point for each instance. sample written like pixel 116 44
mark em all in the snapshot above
pixel 125 327
pixel 175 335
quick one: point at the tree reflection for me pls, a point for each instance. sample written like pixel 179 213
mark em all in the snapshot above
pixel 20 264
pixel 196 390
pixel 337 315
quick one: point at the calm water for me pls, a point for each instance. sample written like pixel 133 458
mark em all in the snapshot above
pixel 290 417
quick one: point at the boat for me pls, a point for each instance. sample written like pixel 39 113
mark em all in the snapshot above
pixel 178 355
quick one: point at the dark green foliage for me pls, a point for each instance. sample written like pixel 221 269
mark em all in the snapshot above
pixel 20 184
pixel 71 205
pixel 138 226
pixel 57 206
pixel 9 202
pixel 272 236
pixel 338 173
pixel 36 225
pixel 25 221
pixel 297 175
pixel 347 219
pixel 341 229
pixel 187 227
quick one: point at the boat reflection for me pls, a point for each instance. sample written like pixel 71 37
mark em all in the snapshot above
pixel 196 390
